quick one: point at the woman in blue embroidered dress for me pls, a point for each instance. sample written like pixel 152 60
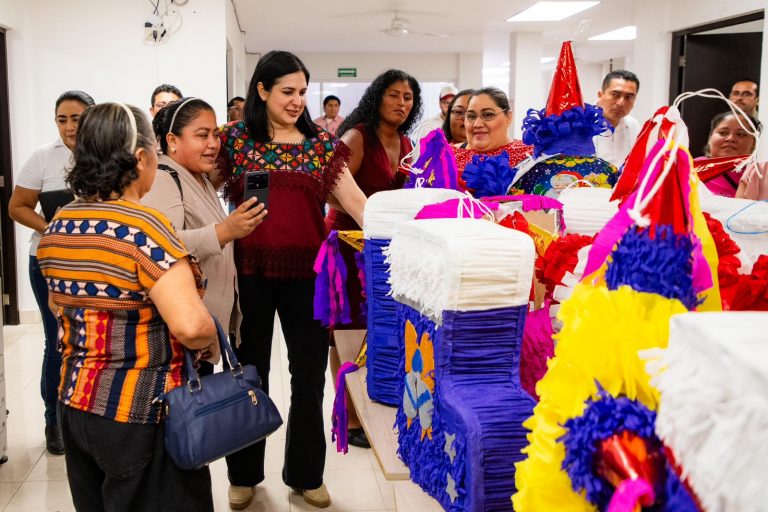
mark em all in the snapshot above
pixel 275 261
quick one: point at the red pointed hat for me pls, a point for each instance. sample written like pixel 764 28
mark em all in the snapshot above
pixel 565 92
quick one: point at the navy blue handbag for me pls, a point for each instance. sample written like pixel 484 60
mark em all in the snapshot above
pixel 215 415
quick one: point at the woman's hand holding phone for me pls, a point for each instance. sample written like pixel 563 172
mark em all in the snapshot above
pixel 241 222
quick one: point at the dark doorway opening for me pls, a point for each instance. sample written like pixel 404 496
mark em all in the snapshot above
pixel 714 55
pixel 7 240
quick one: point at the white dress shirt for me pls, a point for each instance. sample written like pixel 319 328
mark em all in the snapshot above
pixel 615 147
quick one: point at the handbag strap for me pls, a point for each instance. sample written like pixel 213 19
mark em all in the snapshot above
pixel 228 357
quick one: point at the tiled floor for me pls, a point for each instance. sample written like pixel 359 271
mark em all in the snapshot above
pixel 33 480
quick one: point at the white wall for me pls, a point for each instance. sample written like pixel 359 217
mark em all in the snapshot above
pixel 98 47
pixel 237 76
pixel 429 67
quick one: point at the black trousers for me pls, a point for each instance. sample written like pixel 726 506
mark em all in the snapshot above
pixel 113 466
pixel 307 343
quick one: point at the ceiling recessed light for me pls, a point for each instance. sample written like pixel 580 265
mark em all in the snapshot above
pixel 551 11
pixel 547 60
pixel 622 34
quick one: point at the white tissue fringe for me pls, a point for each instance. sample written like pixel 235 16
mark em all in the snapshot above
pixel 441 265
pixel 384 210
pixel 587 210
pixel 713 380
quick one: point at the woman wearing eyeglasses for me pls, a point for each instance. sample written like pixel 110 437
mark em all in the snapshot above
pixel 453 126
pixel 487 121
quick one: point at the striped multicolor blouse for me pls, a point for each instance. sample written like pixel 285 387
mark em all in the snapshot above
pixel 100 260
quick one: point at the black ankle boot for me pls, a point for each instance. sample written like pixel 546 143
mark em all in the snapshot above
pixel 358 438
pixel 53 442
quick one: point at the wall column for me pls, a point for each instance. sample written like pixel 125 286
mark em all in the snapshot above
pixel 526 89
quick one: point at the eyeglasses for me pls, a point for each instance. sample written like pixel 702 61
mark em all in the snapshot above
pixel 487 116
pixel 458 113
pixel 743 94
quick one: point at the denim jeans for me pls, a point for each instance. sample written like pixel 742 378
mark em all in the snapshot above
pixel 116 467
pixel 51 372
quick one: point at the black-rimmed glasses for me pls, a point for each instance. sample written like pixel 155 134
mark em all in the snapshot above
pixel 487 116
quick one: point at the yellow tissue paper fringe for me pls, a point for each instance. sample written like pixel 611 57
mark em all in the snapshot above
pixel 603 331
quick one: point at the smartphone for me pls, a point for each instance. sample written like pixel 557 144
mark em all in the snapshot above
pixel 257 185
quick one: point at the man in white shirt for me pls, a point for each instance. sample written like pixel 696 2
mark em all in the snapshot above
pixel 617 98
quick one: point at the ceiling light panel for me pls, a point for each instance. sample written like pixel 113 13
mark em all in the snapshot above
pixel 551 11
pixel 627 33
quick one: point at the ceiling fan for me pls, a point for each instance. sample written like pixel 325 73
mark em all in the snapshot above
pixel 401 27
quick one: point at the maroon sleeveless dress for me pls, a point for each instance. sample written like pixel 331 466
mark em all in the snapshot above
pixel 374 175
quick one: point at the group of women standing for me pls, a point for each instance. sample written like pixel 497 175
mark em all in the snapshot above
pixel 127 262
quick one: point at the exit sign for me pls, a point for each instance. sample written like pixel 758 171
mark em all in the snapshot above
pixel 347 73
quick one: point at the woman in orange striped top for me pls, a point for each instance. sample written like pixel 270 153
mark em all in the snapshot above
pixel 127 296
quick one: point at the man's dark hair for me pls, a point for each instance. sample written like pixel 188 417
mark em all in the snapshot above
pixel 231 103
pixel 331 97
pixel 164 88
pixel 757 85
pixel 620 74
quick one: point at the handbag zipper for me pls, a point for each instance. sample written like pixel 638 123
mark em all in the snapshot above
pixel 208 409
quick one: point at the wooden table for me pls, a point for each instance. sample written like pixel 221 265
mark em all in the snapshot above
pixel 378 422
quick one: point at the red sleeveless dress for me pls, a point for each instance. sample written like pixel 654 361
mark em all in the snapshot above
pixel 374 175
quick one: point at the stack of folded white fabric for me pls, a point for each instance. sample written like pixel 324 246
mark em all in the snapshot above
pixel 384 210
pixel 441 265
pixel 713 414
pixel 586 210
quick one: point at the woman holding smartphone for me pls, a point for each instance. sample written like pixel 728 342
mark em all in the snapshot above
pixel 274 263
pixel 189 140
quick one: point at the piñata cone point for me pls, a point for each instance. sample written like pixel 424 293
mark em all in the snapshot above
pixel 565 92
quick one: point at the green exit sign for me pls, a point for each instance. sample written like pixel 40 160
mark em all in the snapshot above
pixel 347 73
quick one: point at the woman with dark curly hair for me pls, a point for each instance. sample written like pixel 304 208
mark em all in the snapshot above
pixel 127 295
pixel 376 134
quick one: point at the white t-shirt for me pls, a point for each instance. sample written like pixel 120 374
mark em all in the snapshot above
pixel 615 147
pixel 44 171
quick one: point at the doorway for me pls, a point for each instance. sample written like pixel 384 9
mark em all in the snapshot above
pixel 7 238
pixel 715 55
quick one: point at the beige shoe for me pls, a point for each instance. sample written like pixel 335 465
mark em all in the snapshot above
pixel 317 497
pixel 240 497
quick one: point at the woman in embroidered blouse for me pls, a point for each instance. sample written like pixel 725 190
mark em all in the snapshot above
pixel 487 121
pixel 128 299
pixel 274 263
pixel 189 140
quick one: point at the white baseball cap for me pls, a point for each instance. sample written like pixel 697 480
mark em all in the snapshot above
pixel 448 90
